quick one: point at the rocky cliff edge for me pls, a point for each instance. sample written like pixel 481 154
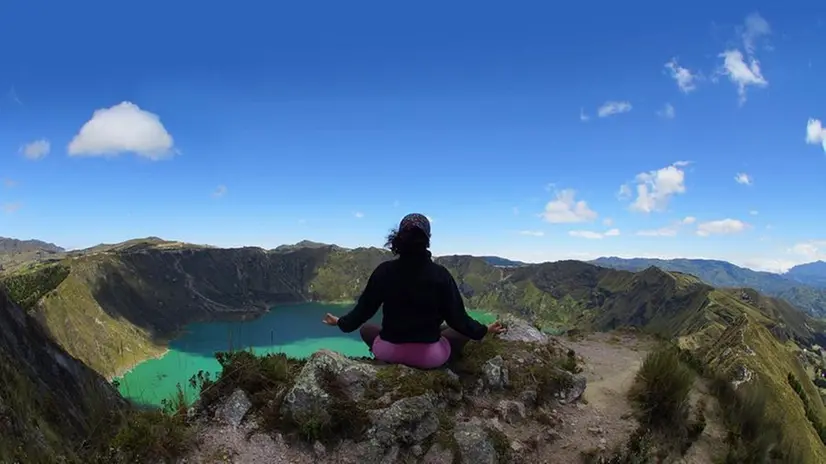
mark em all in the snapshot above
pixel 494 405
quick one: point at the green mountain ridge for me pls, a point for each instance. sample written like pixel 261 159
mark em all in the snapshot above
pixel 115 305
pixel 802 294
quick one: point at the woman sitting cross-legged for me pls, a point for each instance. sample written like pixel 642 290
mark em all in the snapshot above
pixel 417 295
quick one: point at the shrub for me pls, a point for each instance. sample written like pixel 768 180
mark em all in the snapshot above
pixel 662 388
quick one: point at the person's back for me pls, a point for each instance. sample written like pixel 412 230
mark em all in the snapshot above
pixel 417 295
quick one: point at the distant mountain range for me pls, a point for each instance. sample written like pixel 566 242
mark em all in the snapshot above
pixel 803 286
pixel 810 273
pixel 11 245
pixel 502 262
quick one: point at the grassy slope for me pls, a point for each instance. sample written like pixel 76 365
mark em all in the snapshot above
pixel 723 274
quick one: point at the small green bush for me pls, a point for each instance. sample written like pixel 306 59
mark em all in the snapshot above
pixel 662 388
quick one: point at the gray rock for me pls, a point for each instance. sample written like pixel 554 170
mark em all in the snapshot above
pixel 528 397
pixel 319 449
pixel 575 387
pixel 308 401
pixel 474 443
pixel 233 410
pixel 408 421
pixel 512 412
pixel 438 455
pixel 520 330
pixel 495 373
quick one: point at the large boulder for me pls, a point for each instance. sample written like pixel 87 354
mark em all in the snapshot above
pixel 309 399
pixel 520 330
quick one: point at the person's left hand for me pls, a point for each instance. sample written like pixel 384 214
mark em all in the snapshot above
pixel 329 319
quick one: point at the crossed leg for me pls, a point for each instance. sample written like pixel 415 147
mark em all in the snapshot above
pixel 457 341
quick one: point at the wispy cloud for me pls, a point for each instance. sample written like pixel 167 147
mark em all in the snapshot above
pixel 532 233
pixel 613 107
pixel 686 80
pixel 592 235
pixel 726 226
pixel 10 208
pixel 744 71
pixel 36 150
pixel 667 231
pixel 743 178
pixel 742 74
pixel 815 133
pixel 220 191
pixel 358 214
pixel 14 97
pixel 582 116
pixel 667 112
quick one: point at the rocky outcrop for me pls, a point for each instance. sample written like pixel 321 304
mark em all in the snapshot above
pixel 491 406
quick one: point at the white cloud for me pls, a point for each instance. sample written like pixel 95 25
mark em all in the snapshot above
pixel 565 209
pixel 667 112
pixel 613 107
pixel 359 215
pixel 532 233
pixel 741 73
pixel 754 212
pixel 36 150
pixel 655 188
pixel 668 231
pixel 681 164
pixel 754 28
pixel 812 250
pixel 123 128
pixel 686 80
pixel 591 235
pixel 661 232
pixel 721 227
pixel 608 222
pixel 582 116
pixel 815 133
pixel 743 178
pixel 10 208
pixel 624 192
pixel 220 191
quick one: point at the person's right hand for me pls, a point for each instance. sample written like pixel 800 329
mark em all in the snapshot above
pixel 496 328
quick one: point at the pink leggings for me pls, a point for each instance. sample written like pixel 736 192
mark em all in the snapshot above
pixel 419 355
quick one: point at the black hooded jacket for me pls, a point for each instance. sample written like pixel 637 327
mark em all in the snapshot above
pixel 417 296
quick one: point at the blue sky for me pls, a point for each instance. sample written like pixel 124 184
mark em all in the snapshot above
pixel 255 124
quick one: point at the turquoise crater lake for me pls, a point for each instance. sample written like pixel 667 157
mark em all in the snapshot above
pixel 295 330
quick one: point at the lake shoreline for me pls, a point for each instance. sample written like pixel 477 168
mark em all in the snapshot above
pixel 126 370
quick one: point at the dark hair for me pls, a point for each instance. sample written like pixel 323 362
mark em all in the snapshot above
pixel 407 242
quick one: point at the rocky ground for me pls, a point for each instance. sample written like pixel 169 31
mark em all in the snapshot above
pixel 502 410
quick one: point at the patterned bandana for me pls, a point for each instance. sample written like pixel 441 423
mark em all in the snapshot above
pixel 415 221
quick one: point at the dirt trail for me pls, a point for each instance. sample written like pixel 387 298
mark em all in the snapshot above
pixel 604 420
